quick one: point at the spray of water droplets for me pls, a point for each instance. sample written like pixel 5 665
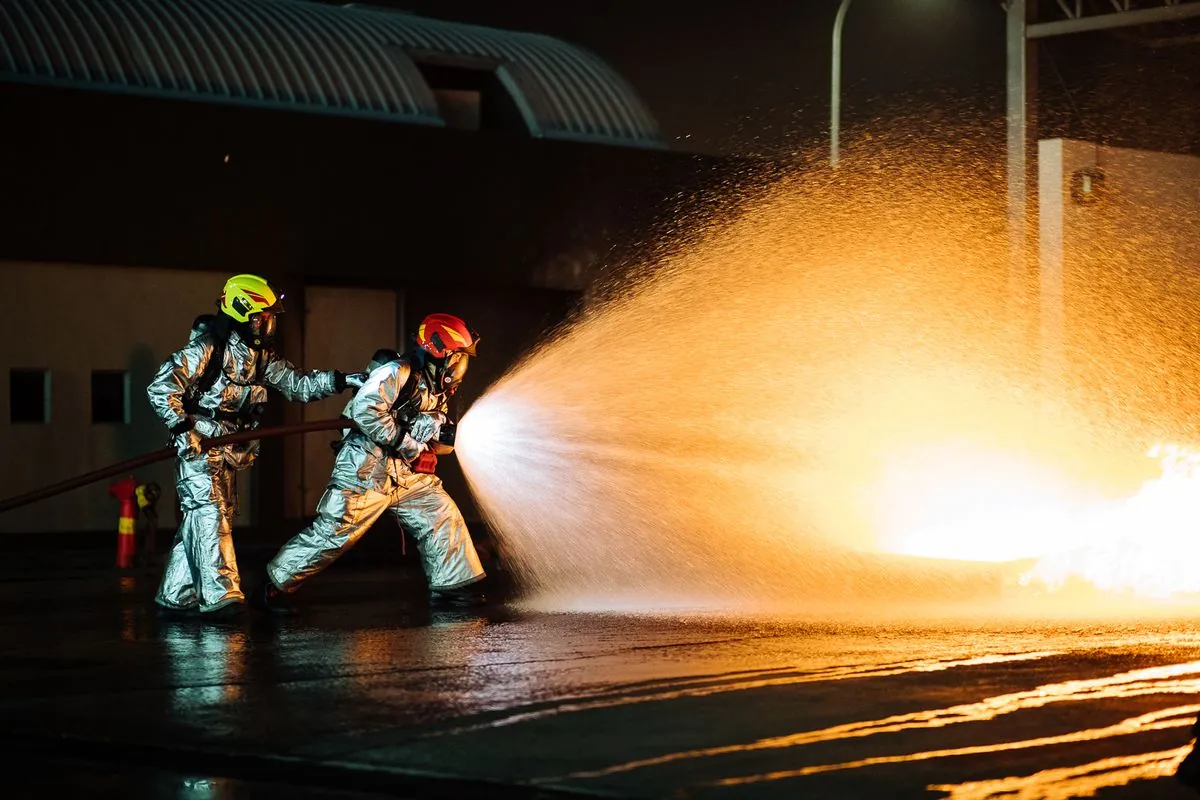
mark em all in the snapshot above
pixel 712 430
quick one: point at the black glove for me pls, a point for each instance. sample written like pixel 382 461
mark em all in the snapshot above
pixel 204 426
pixel 353 380
pixel 191 432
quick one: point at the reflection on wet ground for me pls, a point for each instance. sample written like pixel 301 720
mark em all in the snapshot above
pixel 1155 681
pixel 108 781
pixel 632 705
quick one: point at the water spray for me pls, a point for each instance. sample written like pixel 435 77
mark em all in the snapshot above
pixel 724 428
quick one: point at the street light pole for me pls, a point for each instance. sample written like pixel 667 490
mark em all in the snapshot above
pixel 835 84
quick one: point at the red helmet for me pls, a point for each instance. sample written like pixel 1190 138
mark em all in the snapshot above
pixel 441 334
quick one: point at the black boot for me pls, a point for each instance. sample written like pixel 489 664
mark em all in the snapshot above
pixel 463 597
pixel 167 612
pixel 270 599
pixel 225 612
pixel 1188 772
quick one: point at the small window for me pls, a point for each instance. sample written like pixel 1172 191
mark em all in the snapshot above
pixel 110 396
pixel 29 395
pixel 459 107
pixel 471 96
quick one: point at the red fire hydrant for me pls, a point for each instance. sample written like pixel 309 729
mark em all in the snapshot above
pixel 126 494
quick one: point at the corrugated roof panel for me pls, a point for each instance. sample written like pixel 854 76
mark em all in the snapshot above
pixel 308 56
pixel 267 76
pixel 106 41
pixel 240 58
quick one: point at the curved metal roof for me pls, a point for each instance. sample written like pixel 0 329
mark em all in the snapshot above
pixel 346 60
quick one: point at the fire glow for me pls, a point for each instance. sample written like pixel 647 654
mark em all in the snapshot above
pixel 963 503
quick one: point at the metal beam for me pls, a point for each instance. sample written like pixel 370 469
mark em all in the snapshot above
pixel 835 85
pixel 1120 19
pixel 1018 52
pixel 1051 309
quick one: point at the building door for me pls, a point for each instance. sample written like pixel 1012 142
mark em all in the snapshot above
pixel 342 328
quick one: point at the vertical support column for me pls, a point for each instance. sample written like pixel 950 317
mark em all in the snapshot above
pixel 1050 258
pixel 835 86
pixel 1021 102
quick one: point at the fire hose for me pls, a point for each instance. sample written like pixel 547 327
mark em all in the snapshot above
pixel 169 452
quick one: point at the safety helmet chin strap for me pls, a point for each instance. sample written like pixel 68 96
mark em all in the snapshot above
pixel 422 360
pixel 262 344
pixel 258 340
pixel 221 325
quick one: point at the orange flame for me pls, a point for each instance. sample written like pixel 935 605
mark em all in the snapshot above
pixel 959 501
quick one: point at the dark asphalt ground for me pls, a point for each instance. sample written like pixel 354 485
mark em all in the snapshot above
pixel 369 694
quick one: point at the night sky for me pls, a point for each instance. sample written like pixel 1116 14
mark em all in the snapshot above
pixel 752 77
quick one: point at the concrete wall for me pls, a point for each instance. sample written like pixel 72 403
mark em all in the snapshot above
pixel 71 320
pixel 1120 278
pixel 80 318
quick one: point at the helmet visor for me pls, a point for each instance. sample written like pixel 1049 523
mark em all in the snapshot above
pixel 263 324
pixel 454 368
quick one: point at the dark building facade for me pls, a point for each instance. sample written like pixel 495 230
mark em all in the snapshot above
pixel 376 165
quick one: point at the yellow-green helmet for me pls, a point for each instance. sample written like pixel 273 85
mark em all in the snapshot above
pixel 246 295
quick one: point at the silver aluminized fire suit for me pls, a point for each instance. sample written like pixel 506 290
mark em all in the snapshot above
pixel 372 474
pixel 201 569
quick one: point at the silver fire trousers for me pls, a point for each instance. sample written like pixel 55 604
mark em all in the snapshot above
pixel 201 570
pixel 420 505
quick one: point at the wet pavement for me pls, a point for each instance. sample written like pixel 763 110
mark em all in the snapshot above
pixel 368 693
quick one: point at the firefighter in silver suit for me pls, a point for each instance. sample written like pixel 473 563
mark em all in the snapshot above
pixel 387 464
pixel 217 385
